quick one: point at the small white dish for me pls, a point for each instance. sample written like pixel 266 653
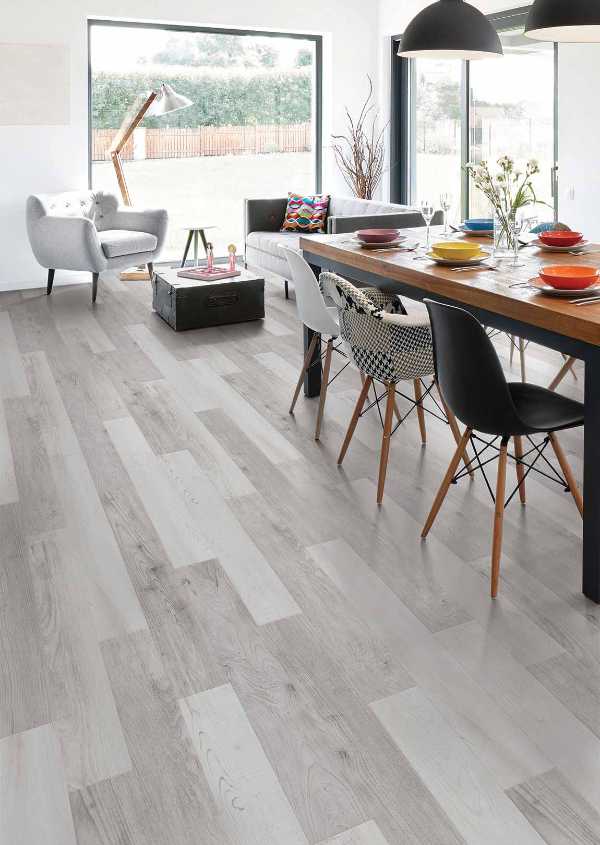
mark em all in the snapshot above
pixel 459 262
pixel 547 248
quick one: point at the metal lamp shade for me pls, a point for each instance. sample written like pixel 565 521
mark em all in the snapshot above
pixel 168 101
pixel 450 29
pixel 576 21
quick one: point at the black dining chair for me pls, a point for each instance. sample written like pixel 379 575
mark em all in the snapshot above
pixel 473 385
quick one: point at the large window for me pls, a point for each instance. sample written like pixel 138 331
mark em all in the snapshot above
pixel 252 130
pixel 446 113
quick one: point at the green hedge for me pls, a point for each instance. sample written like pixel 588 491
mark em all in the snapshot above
pixel 243 98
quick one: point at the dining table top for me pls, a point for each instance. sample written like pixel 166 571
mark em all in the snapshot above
pixel 505 290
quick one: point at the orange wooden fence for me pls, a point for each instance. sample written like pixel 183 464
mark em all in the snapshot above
pixel 207 141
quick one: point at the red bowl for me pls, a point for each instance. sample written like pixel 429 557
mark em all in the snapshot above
pixel 560 238
pixel 377 236
pixel 570 276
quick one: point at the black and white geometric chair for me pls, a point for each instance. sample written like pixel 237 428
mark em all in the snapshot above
pixel 387 349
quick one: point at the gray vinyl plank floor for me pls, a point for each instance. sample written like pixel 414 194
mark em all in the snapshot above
pixel 209 632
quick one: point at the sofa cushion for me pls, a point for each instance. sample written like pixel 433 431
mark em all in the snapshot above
pixel 270 242
pixel 353 207
pixel 116 242
pixel 305 213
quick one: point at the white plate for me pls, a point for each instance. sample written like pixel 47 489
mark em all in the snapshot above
pixel 572 294
pixel 481 233
pixel 459 262
pixel 385 245
pixel 547 248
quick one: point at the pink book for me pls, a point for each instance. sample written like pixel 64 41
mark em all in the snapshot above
pixel 204 275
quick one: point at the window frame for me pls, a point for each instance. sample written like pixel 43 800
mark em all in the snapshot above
pixel 216 30
pixel 402 153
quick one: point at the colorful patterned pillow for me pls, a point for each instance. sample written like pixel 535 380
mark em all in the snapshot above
pixel 305 214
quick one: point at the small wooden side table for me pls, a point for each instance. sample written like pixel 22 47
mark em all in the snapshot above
pixel 195 232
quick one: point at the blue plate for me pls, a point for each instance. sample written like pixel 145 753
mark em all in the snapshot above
pixel 479 224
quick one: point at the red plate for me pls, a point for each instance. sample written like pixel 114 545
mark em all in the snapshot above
pixel 570 276
pixel 560 238
pixel 377 236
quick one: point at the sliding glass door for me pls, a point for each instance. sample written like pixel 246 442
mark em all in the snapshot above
pixel 446 113
pixel 252 130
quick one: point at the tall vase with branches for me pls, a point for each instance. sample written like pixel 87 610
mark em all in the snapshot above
pixel 360 153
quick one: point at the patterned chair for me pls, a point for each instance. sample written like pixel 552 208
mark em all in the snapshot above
pixel 387 348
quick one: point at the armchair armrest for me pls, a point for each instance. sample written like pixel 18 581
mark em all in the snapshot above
pixel 151 220
pixel 264 215
pixel 396 220
pixel 66 243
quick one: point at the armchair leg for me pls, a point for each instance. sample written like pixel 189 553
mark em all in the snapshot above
pixel 286 288
pixel 150 267
pixel 50 282
pixel 94 286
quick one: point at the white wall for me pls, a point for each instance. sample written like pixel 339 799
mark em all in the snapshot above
pixel 53 158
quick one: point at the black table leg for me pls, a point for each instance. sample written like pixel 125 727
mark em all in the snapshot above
pixel 187 248
pixel 312 379
pixel 591 477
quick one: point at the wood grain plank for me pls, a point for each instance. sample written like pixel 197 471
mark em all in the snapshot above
pixel 76 322
pixel 457 779
pixel 364 834
pixel 13 381
pixel 34 802
pixel 83 707
pixel 9 491
pixel 254 809
pixel 556 811
pixel 576 683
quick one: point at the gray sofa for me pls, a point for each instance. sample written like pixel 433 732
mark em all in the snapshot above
pixel 263 219
pixel 83 230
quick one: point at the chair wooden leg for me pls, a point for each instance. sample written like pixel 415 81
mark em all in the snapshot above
pixel 567 472
pixel 450 473
pixel 522 358
pixel 520 469
pixel 420 411
pixel 355 415
pixel 305 365
pixel 385 440
pixel 50 282
pixel 568 365
pixel 455 431
pixel 498 518
pixel 95 277
pixel 324 384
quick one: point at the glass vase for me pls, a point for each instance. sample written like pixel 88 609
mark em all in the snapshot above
pixel 504 237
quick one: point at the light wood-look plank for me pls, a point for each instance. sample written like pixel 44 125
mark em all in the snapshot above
pixel 13 381
pixel 460 783
pixel 557 812
pixel 8 482
pixel 114 604
pixel 34 802
pixel 253 807
pixel 575 682
pixel 499 743
pixel 364 834
pixel 83 707
pixel 76 322
pixel 566 741
pixel 258 586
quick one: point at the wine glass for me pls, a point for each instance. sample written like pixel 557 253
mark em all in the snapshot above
pixel 445 205
pixel 427 212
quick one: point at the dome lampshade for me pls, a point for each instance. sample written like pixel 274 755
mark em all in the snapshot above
pixel 450 29
pixel 576 21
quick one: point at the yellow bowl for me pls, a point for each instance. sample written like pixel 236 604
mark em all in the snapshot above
pixel 460 250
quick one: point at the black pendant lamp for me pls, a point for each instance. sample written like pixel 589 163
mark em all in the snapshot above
pixel 450 29
pixel 575 21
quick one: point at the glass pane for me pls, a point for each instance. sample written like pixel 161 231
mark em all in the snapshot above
pixel 249 133
pixel 436 132
pixel 512 113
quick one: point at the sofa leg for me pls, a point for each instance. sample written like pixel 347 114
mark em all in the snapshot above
pixel 50 282
pixel 286 288
pixel 94 286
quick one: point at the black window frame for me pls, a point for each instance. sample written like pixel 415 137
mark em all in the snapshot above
pixel 216 30
pixel 402 97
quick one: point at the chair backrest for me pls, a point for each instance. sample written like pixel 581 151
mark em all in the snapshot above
pixel 97 206
pixel 469 372
pixel 312 310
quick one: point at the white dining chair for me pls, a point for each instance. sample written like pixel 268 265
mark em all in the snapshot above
pixel 319 317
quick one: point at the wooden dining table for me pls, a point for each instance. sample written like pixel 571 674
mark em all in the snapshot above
pixel 502 299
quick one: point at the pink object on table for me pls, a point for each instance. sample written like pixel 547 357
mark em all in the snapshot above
pixel 376 236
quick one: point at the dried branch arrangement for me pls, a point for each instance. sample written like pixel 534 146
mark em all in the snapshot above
pixel 360 153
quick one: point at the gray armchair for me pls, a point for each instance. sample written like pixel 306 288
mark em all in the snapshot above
pixel 83 230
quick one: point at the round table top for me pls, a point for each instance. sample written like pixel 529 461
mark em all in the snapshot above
pixel 196 228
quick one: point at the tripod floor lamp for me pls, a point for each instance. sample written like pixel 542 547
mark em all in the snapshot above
pixel 156 104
